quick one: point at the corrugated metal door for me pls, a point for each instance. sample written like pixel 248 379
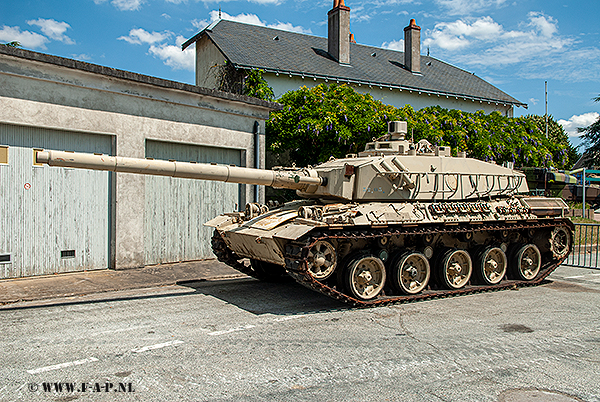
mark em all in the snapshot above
pixel 53 219
pixel 177 208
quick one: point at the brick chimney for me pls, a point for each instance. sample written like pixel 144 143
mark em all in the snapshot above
pixel 338 38
pixel 412 47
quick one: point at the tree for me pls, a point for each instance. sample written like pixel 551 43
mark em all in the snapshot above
pixel 244 82
pixel 334 120
pixel 325 121
pixel 13 44
pixel 591 137
pixel 255 85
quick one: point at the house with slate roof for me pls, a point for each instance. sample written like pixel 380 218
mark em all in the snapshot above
pixel 225 50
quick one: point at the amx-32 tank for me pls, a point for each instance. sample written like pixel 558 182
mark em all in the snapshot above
pixel 397 222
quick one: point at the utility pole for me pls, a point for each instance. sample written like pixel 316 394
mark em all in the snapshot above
pixel 546 96
pixel 583 196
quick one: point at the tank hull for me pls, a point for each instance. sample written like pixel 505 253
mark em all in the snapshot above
pixel 298 239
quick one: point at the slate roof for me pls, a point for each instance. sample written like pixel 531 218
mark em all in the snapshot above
pixel 277 51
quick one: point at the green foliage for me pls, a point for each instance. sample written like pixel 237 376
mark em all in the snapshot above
pixel 255 85
pixel 325 121
pixel 334 120
pixel 13 44
pixel 591 137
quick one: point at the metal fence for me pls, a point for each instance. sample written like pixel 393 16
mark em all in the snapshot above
pixel 586 246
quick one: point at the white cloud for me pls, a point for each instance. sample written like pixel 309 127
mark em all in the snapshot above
pixel 83 57
pixel 535 49
pixel 270 2
pixel 127 5
pixel 576 121
pixel 53 29
pixel 27 39
pixel 140 36
pixel 169 53
pixel 251 19
pixel 174 57
pixel 489 44
pixel 124 5
pixel 394 45
pixel 546 26
pixel 200 24
pixel 468 7
pixel 460 34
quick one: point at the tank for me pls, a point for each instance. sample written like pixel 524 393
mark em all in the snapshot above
pixel 400 221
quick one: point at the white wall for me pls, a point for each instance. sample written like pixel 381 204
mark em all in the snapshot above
pixel 284 83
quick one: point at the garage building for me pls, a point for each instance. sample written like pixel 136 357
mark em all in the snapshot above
pixel 63 220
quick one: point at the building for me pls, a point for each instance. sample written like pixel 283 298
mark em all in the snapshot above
pixel 226 49
pixel 61 220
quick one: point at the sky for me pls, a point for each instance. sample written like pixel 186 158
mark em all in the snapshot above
pixel 514 45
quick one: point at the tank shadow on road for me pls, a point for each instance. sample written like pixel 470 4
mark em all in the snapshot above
pixel 281 298
pixel 285 298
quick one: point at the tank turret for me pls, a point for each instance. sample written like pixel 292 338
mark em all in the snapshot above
pixel 399 221
pixel 390 169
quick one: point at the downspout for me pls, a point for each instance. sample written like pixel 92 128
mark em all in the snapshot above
pixel 256 131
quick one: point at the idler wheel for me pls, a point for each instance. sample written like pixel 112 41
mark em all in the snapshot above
pixel 560 242
pixel 322 260
pixel 410 273
pixel 365 277
pixel 455 268
pixel 526 262
pixel 490 266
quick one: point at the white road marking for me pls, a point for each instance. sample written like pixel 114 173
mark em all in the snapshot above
pixel 293 317
pixel 112 331
pixel 228 331
pixel 157 346
pixel 580 276
pixel 62 365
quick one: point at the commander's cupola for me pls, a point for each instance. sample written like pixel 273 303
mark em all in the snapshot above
pixel 392 143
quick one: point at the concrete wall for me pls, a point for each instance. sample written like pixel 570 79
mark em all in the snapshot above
pixel 61 94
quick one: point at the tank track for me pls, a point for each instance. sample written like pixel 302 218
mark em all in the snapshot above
pixel 296 264
pixel 225 255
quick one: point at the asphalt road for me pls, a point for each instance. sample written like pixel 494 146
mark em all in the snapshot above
pixel 243 340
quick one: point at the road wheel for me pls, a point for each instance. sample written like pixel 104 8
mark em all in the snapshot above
pixel 455 268
pixel 365 277
pixel 526 262
pixel 410 273
pixel 490 266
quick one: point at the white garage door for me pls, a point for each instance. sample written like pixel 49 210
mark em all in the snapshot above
pixel 53 219
pixel 177 208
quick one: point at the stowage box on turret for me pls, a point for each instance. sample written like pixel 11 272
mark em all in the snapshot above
pixel 397 222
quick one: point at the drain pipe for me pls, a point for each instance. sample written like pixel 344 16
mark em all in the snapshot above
pixel 256 131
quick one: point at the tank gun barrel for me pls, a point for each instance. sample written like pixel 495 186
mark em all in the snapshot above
pixel 306 180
